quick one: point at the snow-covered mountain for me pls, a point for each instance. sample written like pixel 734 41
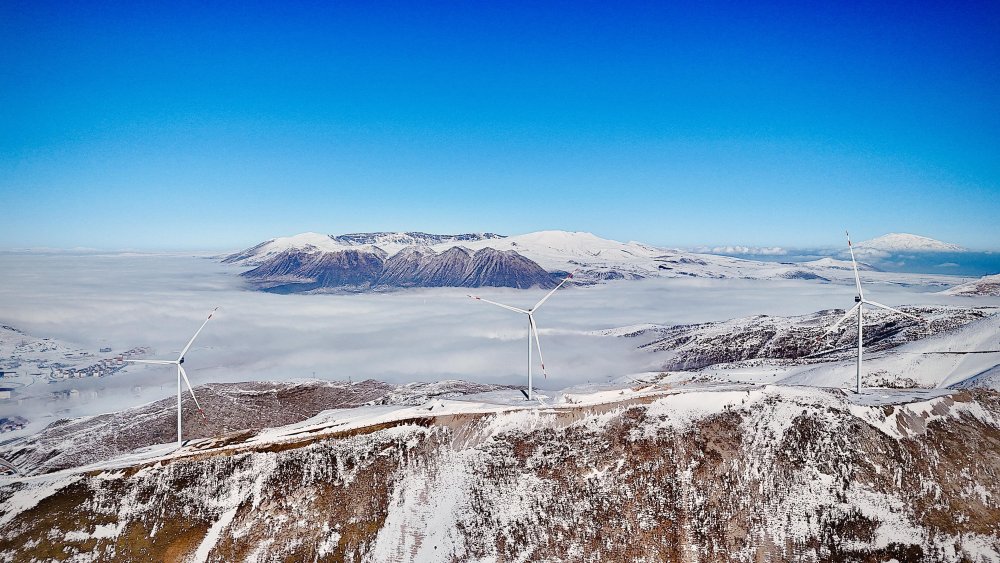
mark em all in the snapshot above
pixel 314 243
pixel 394 242
pixel 304 243
pixel 903 242
pixel 365 268
pixel 300 263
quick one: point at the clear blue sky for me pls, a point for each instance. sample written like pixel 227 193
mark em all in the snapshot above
pixel 188 126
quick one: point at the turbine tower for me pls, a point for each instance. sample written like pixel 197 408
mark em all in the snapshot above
pixel 181 374
pixel 532 327
pixel 859 303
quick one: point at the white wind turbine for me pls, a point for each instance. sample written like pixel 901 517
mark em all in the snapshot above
pixel 181 374
pixel 532 327
pixel 859 303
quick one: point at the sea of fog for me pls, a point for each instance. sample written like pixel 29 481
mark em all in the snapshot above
pixel 129 300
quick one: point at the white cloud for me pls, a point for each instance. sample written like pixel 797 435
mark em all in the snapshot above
pixel 868 254
pixel 744 250
pixel 416 335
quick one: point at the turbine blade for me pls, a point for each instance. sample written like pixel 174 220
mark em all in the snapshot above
pixel 157 362
pixel 846 316
pixel 190 342
pixel 188 382
pixel 857 278
pixel 538 345
pixel 888 308
pixel 515 309
pixel 549 294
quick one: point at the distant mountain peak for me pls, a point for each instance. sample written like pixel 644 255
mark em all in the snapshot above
pixel 909 242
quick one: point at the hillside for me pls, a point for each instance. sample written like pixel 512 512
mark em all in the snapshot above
pixel 368 268
pixel 984 286
pixel 774 473
pixel 229 408
pixel 801 339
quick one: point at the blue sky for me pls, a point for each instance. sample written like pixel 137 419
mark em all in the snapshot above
pixel 187 126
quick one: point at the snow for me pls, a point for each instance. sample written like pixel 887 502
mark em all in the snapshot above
pixel 328 545
pixel 630 330
pixel 596 259
pixel 986 285
pixel 681 409
pixel 214 533
pixel 101 531
pixel 921 361
pixel 311 242
pixel 421 525
pixel 562 250
pixel 909 243
pixel 429 510
pixel 980 547
pixel 30 494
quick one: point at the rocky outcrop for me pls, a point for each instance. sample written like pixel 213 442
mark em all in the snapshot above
pixel 504 268
pixel 363 269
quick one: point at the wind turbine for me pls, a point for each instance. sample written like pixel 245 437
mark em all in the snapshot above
pixel 532 327
pixel 181 374
pixel 859 303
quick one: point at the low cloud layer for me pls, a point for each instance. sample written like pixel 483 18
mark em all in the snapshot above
pixel 743 250
pixel 415 335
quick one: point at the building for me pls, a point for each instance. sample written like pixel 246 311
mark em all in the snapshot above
pixel 6 393
pixel 10 424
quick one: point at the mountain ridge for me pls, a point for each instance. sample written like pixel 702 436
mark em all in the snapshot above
pixel 596 260
pixel 789 473
pixel 366 268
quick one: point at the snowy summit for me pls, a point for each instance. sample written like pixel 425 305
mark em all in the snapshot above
pixel 907 242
